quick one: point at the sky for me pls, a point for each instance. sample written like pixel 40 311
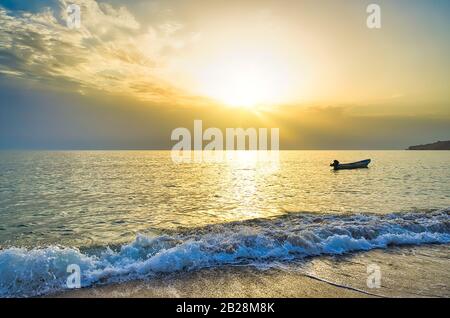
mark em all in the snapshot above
pixel 135 70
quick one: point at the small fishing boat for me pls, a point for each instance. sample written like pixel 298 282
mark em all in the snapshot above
pixel 353 165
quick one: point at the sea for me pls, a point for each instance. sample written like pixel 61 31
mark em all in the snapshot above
pixel 123 216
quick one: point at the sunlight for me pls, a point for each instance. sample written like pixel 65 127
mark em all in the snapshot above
pixel 246 81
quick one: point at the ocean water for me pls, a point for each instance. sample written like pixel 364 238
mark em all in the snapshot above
pixel 123 215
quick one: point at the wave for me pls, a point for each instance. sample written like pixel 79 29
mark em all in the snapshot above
pixel 260 242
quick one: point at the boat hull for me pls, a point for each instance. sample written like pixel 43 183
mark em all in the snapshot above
pixel 353 165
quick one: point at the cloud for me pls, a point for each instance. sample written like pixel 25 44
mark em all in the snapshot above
pixel 110 52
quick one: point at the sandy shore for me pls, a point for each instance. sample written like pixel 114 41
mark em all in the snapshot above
pixel 420 271
pixel 225 282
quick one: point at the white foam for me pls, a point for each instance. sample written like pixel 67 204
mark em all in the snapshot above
pixel 258 242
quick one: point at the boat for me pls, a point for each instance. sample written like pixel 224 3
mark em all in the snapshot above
pixel 353 165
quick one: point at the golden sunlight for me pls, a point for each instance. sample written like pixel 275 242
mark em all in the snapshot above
pixel 245 80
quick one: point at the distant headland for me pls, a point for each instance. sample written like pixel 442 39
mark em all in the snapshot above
pixel 439 145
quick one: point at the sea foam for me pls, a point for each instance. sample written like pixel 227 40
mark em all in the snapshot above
pixel 260 242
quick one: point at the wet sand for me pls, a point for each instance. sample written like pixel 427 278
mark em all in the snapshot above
pixel 410 271
pixel 225 282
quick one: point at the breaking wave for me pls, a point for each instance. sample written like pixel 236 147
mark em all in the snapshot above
pixel 31 272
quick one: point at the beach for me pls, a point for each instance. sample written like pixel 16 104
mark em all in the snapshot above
pixel 218 283
pixel 184 149
pixel 405 274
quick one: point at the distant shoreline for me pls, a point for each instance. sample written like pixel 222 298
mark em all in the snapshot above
pixel 438 145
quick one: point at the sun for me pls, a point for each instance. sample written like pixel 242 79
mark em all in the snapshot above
pixel 245 82
pixel 244 86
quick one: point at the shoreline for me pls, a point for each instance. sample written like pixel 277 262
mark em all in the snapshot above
pixel 227 282
pixel 409 271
